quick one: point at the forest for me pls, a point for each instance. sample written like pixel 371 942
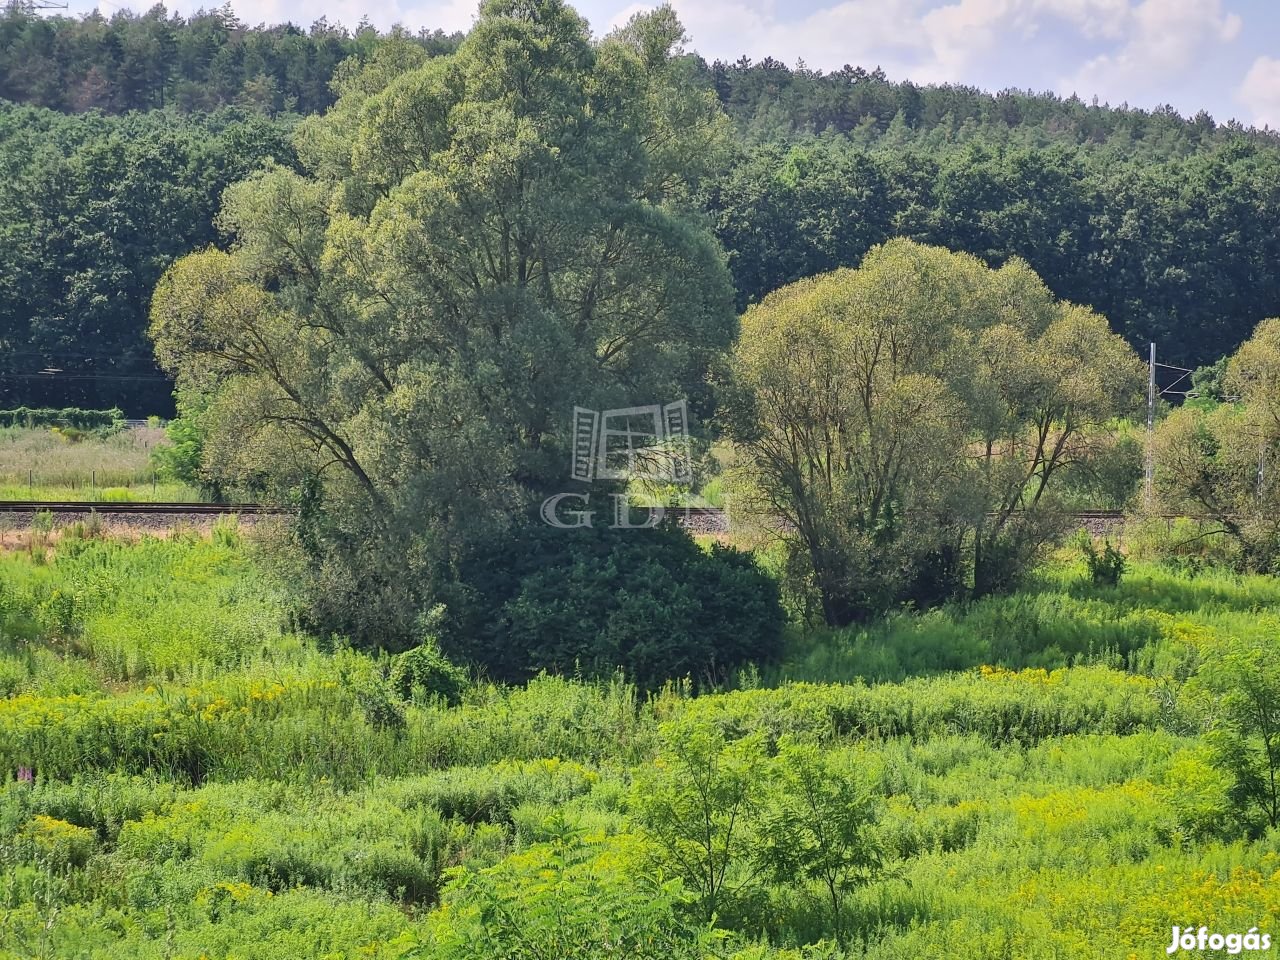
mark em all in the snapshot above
pixel 1165 225
pixel 981 665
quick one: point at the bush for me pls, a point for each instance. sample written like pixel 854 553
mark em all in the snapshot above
pixel 572 902
pixel 1238 689
pixel 59 843
pixel 1107 566
pixel 819 828
pixel 379 705
pixel 650 602
pixel 697 805
pixel 180 459
pixel 424 672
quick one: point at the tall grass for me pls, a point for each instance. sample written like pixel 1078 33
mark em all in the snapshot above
pixel 183 773
pixel 179 609
pixel 1061 619
pixel 44 464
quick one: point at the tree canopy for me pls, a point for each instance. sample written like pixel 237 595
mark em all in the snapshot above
pixel 1220 461
pixel 197 63
pixel 92 210
pixel 1178 250
pixel 915 410
pixel 478 244
pixel 1163 224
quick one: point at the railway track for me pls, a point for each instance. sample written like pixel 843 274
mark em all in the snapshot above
pixel 85 507
pixel 698 519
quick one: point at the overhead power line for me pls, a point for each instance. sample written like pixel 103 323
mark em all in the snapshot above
pixel 31 6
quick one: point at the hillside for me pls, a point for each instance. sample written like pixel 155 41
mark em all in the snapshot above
pixel 1166 225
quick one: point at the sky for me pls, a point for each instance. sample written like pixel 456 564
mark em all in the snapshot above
pixel 1222 56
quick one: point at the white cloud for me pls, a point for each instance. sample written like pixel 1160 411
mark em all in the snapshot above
pixel 852 31
pixel 1095 19
pixel 1163 39
pixel 1150 40
pixel 620 18
pixel 1260 92
pixel 960 34
pixel 447 15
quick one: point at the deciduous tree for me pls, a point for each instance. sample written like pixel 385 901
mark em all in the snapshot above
pixel 918 408
pixel 481 242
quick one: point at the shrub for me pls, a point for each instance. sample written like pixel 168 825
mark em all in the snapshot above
pixel 818 828
pixel 697 804
pixel 380 706
pixel 74 417
pixel 490 794
pixel 425 672
pixel 180 459
pixel 389 868
pixel 1107 566
pixel 59 843
pixel 650 602
pixel 1239 682
pixel 568 901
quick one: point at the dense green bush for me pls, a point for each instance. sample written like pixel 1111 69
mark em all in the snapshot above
pixel 651 602
pixel 180 459
pixel 423 671
pixel 571 902
pixel 1237 689
pixel 1105 566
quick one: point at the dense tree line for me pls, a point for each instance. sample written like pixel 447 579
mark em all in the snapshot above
pixel 770 101
pixel 1180 250
pixel 92 210
pixel 157 60
pixel 1167 226
pixel 141 61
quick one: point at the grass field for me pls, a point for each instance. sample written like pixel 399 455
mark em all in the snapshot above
pixel 209 782
pixel 41 464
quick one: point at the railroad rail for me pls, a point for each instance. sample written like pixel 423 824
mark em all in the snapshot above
pixel 695 517
pixel 143 508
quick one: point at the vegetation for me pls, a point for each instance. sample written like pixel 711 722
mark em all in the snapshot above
pixel 816 170
pixel 202 777
pixel 917 408
pixel 454 708
pixel 1001 191
pixel 592 600
pixel 542 242
pixel 1219 460
pixel 92 210
pixel 60 463
pixel 67 416
pixel 211 59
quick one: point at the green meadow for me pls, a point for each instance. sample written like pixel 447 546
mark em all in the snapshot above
pixel 186 774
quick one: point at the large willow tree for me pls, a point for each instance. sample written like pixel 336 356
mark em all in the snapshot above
pixel 910 420
pixel 476 244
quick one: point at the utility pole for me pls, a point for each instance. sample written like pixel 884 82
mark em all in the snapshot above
pixel 1262 468
pixel 1150 471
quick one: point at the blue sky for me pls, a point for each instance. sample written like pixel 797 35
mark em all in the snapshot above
pixel 1218 55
